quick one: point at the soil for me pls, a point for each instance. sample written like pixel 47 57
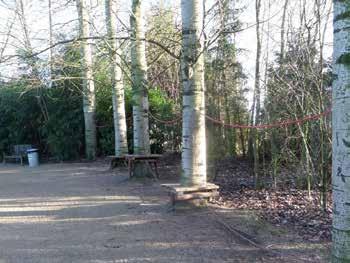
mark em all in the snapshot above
pixel 84 212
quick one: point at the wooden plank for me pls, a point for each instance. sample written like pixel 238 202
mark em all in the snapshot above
pixel 15 157
pixel 113 157
pixel 12 156
pixel 143 157
pixel 203 195
pixel 177 188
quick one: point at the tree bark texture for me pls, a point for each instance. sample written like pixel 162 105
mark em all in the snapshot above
pixel 192 71
pixel 341 133
pixel 118 92
pixel 139 79
pixel 89 100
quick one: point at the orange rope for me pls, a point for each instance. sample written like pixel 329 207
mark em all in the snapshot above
pixel 273 125
pixel 260 126
pixel 166 122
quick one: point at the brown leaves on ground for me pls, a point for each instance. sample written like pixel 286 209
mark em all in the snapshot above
pixel 288 207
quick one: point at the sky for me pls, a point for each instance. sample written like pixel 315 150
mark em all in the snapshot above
pixel 65 21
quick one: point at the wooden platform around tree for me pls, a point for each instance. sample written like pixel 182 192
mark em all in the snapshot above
pixel 179 193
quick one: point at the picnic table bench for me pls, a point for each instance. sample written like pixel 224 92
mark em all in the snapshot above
pixel 19 152
pixel 130 159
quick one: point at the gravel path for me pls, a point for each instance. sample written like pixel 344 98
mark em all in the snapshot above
pixel 84 213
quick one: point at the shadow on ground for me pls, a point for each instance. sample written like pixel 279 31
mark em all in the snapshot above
pixel 86 213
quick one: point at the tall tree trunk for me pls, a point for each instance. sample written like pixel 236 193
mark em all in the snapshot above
pixel 242 140
pixel 89 100
pixel 341 133
pixel 50 42
pixel 271 116
pixel 230 135
pixel 257 64
pixel 285 7
pixel 257 93
pixel 324 126
pixel 23 21
pixel 139 79
pixel 27 41
pixel 31 60
pixel 120 132
pixel 309 167
pixel 194 168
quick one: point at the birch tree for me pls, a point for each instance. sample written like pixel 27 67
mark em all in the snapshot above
pixel 192 71
pixel 283 23
pixel 28 48
pixel 341 133
pixel 257 95
pixel 139 79
pixel 120 133
pixel 50 42
pixel 24 25
pixel 89 101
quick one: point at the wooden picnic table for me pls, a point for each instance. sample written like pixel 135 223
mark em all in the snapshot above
pixel 130 160
pixel 116 161
pixel 150 159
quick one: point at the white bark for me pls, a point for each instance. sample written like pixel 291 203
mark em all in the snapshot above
pixel 50 42
pixel 23 21
pixel 257 92
pixel 257 95
pixel 341 133
pixel 88 82
pixel 139 79
pixel 120 131
pixel 192 70
pixel 285 7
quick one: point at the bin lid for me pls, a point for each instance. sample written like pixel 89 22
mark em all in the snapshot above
pixel 32 150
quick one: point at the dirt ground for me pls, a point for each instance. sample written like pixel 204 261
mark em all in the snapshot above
pixel 84 212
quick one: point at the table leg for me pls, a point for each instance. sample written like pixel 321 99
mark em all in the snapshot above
pixel 156 168
pixel 112 164
pixel 129 168
pixel 149 163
